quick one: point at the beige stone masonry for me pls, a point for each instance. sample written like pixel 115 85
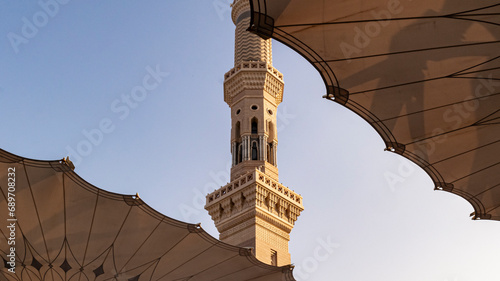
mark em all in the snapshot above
pixel 253 76
pixel 254 210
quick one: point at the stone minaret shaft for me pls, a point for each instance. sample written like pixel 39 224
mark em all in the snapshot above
pixel 254 209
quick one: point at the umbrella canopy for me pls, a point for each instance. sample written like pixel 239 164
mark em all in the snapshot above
pixel 64 228
pixel 424 73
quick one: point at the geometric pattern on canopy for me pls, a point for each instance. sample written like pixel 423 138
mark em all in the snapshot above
pixel 68 229
pixel 425 74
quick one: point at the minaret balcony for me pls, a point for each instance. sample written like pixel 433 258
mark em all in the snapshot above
pixel 253 75
pixel 253 65
pixel 255 187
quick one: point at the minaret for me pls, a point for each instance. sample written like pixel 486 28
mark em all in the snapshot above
pixel 254 210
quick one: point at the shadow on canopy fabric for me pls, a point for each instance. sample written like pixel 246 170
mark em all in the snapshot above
pixel 68 229
pixel 424 73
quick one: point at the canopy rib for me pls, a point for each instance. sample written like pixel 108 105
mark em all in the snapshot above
pixel 438 107
pixel 142 244
pixel 478 171
pixel 463 71
pixel 91 227
pixel 37 214
pixel 488 189
pixel 415 51
pixel 441 134
pixel 78 227
pixel 464 152
pixel 372 20
pixel 185 262
pixel 400 73
pixel 487 116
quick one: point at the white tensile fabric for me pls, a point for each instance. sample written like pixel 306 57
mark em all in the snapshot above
pixel 424 73
pixel 68 229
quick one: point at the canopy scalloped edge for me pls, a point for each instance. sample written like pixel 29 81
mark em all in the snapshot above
pixel 263 25
pixel 232 253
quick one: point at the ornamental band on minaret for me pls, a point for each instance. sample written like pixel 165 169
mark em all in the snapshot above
pixel 254 210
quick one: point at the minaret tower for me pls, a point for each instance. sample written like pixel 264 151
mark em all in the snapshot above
pixel 254 210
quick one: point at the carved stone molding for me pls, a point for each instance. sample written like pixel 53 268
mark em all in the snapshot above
pixel 250 197
pixel 253 76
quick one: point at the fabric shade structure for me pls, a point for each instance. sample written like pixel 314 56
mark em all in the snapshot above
pixel 68 229
pixel 424 73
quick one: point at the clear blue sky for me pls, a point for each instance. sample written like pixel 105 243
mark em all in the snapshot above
pixel 132 90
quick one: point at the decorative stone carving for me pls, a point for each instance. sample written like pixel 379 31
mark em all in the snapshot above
pixel 254 209
pixel 253 76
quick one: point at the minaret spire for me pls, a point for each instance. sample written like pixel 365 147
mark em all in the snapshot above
pixel 254 209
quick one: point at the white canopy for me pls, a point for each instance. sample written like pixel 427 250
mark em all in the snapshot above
pixel 424 73
pixel 68 229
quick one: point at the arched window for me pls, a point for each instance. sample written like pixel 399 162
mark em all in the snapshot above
pixel 237 131
pixel 274 258
pixel 255 154
pixel 254 125
pixel 237 140
pixel 239 153
pixel 270 153
pixel 270 131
